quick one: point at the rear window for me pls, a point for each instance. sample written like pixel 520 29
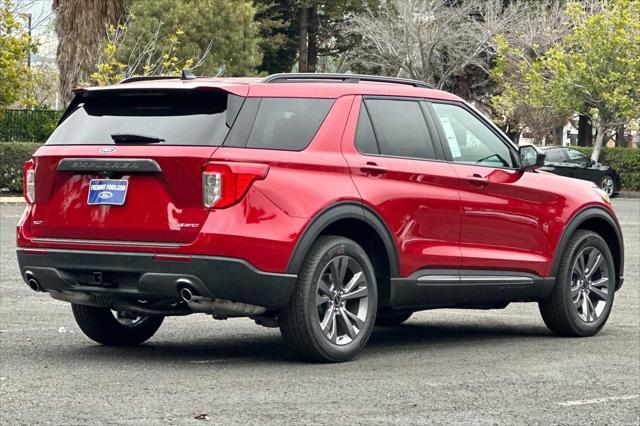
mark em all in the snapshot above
pixel 287 123
pixel 179 117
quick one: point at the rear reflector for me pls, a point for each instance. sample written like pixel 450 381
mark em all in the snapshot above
pixel 224 184
pixel 41 252
pixel 172 257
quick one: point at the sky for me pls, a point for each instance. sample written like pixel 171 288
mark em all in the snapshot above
pixel 42 27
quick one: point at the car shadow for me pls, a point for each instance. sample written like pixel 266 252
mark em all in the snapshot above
pixel 269 348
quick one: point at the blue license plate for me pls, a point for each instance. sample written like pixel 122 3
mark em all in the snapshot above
pixel 107 191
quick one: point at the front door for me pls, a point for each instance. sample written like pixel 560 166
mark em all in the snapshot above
pixel 504 210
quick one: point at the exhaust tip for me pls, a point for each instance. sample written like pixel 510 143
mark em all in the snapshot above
pixel 34 285
pixel 186 294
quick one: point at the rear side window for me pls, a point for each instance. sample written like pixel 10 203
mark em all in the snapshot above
pixel 365 137
pixel 555 155
pixel 178 117
pixel 287 123
pixel 400 128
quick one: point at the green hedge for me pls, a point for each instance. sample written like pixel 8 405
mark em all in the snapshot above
pixel 12 157
pixel 626 161
pixel 27 125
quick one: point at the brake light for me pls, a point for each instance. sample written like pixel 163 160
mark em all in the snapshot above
pixel 29 182
pixel 224 184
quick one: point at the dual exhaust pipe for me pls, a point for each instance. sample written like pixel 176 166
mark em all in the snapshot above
pixel 33 283
pixel 219 308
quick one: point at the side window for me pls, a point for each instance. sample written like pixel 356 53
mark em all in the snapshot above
pixel 287 123
pixel 576 156
pixel 400 128
pixel 555 156
pixel 470 140
pixel 365 138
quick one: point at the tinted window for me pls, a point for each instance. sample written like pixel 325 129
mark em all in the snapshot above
pixel 400 128
pixel 186 117
pixel 287 123
pixel 365 138
pixel 555 155
pixel 470 140
pixel 576 155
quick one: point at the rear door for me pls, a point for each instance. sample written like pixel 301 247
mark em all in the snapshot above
pixel 140 153
pixel 398 171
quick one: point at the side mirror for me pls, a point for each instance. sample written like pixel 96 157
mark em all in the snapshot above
pixel 531 157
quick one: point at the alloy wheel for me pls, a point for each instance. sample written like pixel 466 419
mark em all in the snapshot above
pixel 342 297
pixel 607 185
pixel 127 318
pixel 590 284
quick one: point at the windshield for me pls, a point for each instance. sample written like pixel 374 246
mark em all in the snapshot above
pixel 178 117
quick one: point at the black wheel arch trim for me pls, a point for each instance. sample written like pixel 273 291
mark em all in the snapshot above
pixel 334 213
pixel 578 219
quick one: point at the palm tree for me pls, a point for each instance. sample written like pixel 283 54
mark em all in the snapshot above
pixel 81 27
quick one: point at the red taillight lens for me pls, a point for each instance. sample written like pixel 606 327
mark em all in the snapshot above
pixel 224 184
pixel 29 182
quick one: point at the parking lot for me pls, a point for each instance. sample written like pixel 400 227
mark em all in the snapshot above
pixel 443 366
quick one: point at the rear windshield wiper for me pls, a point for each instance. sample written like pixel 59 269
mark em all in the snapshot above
pixel 131 138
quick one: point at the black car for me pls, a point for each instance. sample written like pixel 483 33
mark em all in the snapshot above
pixel 572 163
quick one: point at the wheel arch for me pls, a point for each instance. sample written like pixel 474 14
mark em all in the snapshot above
pixel 600 221
pixel 361 224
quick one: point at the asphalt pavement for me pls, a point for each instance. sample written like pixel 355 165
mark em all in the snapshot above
pixel 441 367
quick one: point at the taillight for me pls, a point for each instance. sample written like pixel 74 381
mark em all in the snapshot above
pixel 224 184
pixel 29 182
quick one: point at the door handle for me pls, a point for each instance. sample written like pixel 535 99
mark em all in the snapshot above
pixel 372 168
pixel 477 180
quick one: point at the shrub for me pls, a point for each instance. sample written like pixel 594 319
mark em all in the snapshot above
pixel 12 157
pixel 625 161
pixel 27 125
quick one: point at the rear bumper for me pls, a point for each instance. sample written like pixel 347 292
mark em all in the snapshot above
pixel 139 276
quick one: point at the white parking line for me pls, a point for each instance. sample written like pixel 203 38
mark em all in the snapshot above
pixel 598 400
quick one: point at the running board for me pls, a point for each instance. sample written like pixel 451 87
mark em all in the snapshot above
pixel 450 288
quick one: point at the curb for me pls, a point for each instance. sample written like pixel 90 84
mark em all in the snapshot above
pixel 628 194
pixel 11 200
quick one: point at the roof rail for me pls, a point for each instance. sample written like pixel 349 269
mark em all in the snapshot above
pixel 149 77
pixel 184 75
pixel 345 78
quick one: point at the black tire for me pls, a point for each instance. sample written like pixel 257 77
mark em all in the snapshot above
pixel 100 325
pixel 300 322
pixel 558 311
pixel 392 318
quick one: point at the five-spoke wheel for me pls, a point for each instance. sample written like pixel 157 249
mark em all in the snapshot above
pixel 590 284
pixel 342 299
pixel 583 295
pixel 332 311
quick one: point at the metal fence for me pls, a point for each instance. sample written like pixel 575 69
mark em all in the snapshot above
pixel 26 125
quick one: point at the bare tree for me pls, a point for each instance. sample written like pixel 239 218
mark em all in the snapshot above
pixel 80 26
pixel 432 40
pixel 539 28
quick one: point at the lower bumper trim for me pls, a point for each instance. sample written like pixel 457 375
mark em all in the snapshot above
pixel 140 276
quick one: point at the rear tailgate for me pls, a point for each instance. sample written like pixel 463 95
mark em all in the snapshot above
pixel 159 183
pixel 160 206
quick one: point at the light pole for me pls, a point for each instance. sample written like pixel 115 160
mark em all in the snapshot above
pixel 27 16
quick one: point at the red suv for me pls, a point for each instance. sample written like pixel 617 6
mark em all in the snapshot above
pixel 319 203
